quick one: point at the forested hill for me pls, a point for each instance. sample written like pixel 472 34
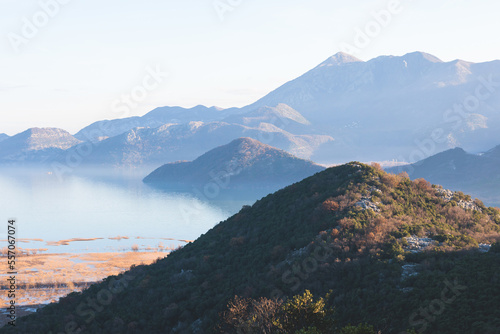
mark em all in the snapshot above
pixel 244 164
pixel 397 254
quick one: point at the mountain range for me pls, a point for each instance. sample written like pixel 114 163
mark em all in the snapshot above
pixel 120 143
pixel 477 174
pixel 390 107
pixel 186 141
pixel 243 164
pixel 100 130
pixel 401 255
pixel 383 108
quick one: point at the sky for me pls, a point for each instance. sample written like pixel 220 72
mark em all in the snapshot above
pixel 68 63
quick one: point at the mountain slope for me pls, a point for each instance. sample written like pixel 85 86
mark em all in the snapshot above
pixel 155 118
pixel 3 136
pixel 244 163
pixel 281 116
pixel 173 142
pixel 459 170
pixel 382 108
pixel 35 145
pixel 390 250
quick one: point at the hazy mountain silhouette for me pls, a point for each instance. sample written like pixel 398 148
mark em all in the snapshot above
pixel 244 163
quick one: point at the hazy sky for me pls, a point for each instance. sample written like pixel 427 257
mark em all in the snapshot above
pixel 67 63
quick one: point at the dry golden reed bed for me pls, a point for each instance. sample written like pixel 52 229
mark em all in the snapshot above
pixel 44 278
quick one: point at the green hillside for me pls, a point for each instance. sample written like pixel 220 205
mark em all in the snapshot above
pixel 393 253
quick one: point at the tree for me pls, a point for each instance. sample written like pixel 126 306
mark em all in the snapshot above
pixel 245 315
pixel 303 313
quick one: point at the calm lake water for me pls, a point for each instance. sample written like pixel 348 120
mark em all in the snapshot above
pixel 108 205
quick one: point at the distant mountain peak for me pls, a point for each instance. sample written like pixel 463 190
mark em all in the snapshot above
pixel 285 111
pixel 338 59
pixel 42 138
pixel 247 141
pixel 28 144
pixel 247 145
pixel 44 132
pixel 422 55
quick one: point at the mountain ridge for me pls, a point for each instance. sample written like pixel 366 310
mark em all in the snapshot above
pixel 414 94
pixel 186 141
pixel 153 119
pixel 376 110
pixel 340 58
pixel 355 101
pixel 456 169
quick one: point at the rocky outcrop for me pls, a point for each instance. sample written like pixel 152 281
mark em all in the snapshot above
pixel 484 248
pixel 367 204
pixel 417 245
pixel 446 194
pixel 449 195
pixel 409 270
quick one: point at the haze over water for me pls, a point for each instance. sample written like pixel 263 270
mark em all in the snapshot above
pixel 103 206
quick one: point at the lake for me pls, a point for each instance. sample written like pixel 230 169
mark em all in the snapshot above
pixel 110 210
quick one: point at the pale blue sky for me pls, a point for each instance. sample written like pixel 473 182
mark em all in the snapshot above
pixel 81 60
